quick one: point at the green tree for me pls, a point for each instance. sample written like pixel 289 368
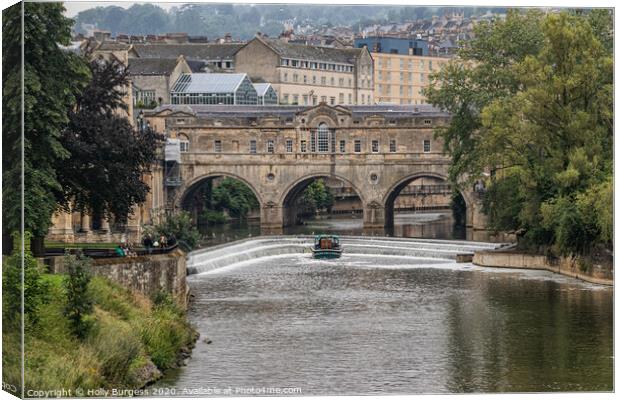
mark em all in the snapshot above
pixel 233 196
pixel 316 196
pixel 52 77
pixel 34 289
pixel 544 130
pixel 482 74
pixel 108 157
pixel 178 225
pixel 79 301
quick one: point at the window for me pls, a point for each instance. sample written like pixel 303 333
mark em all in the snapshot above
pixel 421 78
pixel 388 63
pixel 323 138
pixel 350 82
pixel 305 99
pixel 341 98
pixel 332 81
pixel 392 146
pixel 217 146
pixel 375 146
pixel 380 75
pixel 350 98
pixel 342 146
pixel 323 80
pixel 295 99
pixel 314 99
pixel 270 146
pixel 285 78
pixel 183 143
pixel 295 77
pixel 324 99
pixel 430 65
pixel 427 146
pixel 427 122
pixel 358 146
pixel 314 79
pixel 285 99
pixel 289 145
pixel 402 64
pixel 332 100
pixel 303 146
pixel 305 79
pixel 402 77
pixel 252 146
pixel 341 82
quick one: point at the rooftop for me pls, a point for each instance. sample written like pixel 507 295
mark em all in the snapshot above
pixel 151 66
pixel 191 51
pixel 261 88
pixel 393 111
pixel 315 53
pixel 208 83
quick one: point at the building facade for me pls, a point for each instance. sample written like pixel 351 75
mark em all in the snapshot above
pixel 309 75
pixel 153 78
pixel 402 67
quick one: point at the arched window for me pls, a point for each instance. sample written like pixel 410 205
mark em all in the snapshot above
pixel 184 143
pixel 323 138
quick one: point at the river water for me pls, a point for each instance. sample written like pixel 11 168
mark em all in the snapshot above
pixel 433 225
pixel 374 324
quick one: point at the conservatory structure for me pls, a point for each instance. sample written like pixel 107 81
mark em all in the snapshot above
pixel 213 88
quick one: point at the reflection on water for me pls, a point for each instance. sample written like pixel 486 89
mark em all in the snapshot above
pixel 372 325
pixel 437 225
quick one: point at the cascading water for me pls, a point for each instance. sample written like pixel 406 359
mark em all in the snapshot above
pixel 252 249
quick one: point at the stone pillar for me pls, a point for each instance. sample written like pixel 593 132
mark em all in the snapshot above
pixel 85 222
pixel 134 230
pixel 374 218
pixel 271 219
pixel 62 228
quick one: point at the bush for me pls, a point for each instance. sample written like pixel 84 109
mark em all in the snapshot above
pixel 79 301
pixel 34 288
pixel 178 225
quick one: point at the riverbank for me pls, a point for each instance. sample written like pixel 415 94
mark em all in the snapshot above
pixel 132 340
pixel 569 266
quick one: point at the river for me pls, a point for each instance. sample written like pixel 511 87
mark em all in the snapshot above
pixel 382 324
pixel 433 225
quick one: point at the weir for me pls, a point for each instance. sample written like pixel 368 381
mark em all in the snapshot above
pixel 211 258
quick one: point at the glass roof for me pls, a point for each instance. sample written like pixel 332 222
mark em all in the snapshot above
pixel 208 83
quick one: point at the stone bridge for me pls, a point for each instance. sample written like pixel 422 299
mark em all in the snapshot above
pixel 277 151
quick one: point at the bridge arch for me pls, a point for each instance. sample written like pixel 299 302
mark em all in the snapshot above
pixel 291 192
pixel 188 187
pixel 395 189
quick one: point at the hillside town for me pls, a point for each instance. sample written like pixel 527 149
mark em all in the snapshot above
pixel 382 64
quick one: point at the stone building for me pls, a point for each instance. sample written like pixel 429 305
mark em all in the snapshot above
pixel 217 57
pixel 309 75
pixel 402 67
pixel 153 78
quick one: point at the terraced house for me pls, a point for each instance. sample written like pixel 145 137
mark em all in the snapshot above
pixel 309 75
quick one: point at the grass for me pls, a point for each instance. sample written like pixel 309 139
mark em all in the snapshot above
pixel 128 332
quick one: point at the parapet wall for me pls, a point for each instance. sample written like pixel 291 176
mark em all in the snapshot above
pixel 145 274
pixel 564 265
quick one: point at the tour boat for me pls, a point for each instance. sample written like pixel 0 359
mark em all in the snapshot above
pixel 326 246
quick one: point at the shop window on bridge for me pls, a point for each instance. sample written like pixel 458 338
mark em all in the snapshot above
pixel 427 146
pixel 183 143
pixel 375 146
pixel 358 146
pixel 252 146
pixel 392 146
pixel 303 146
pixel 289 145
pixel 270 146
pixel 217 146
pixel 342 146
